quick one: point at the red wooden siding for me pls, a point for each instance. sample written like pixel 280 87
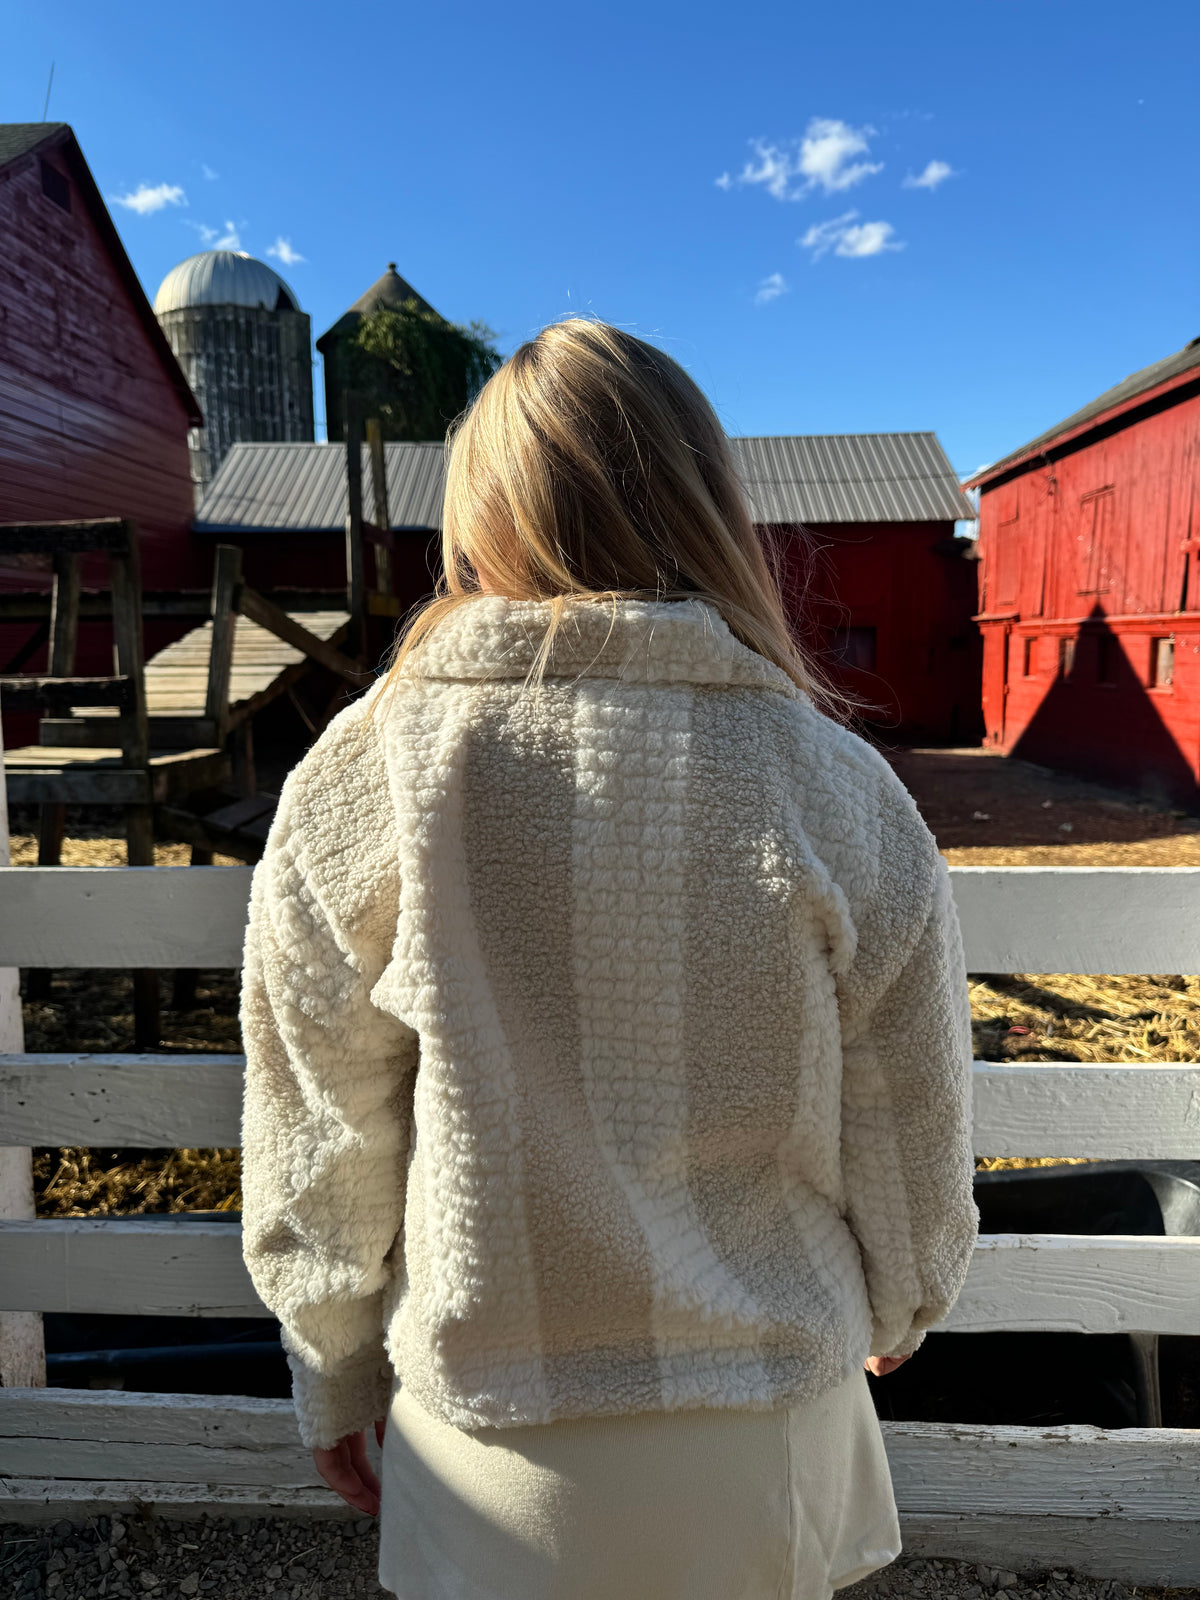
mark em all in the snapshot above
pixel 92 423
pixel 1086 561
pixel 904 594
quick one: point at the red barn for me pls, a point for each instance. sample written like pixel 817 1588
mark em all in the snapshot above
pixel 892 591
pixel 889 597
pixel 1090 605
pixel 94 410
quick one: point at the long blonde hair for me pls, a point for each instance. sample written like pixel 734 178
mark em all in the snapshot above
pixel 591 468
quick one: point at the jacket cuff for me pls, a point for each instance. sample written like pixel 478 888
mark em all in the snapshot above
pixel 330 1405
pixel 911 1343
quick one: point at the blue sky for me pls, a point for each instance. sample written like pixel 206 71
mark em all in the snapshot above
pixel 738 183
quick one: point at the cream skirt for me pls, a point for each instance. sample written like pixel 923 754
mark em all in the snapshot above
pixel 681 1505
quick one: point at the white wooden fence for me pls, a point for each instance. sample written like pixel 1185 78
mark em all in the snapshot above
pixel 1118 1504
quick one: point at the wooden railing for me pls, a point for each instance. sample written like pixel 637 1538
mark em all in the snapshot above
pixel 1119 1504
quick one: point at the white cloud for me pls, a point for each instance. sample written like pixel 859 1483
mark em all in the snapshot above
pixel 826 150
pixel 282 249
pixel 231 239
pixel 208 171
pixel 846 237
pixel 822 159
pixel 148 198
pixel 935 172
pixel 770 289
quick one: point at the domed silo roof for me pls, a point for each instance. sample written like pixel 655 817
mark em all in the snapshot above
pixel 223 278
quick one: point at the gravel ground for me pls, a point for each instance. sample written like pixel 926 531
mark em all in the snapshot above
pixel 244 1558
pixel 272 1558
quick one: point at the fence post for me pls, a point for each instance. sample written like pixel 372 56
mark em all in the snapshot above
pixel 22 1347
pixel 356 597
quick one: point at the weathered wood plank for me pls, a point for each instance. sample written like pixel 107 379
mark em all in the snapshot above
pixel 252 605
pixel 139 1101
pixel 56 538
pixel 1068 1283
pixel 22 1348
pixel 1109 1504
pixel 62 694
pixel 193 1267
pixel 36 1501
pixel 166 731
pixel 1105 1112
pixel 948 1468
pixel 1109 1112
pixel 1025 895
pixel 1079 919
pixel 123 916
pixel 182 1266
pixel 1135 1550
pixel 57 785
pixel 227 577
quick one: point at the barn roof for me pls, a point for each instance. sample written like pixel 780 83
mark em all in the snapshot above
pixel 301 488
pixel 20 139
pixel 1176 366
pixel 850 477
pixel 818 478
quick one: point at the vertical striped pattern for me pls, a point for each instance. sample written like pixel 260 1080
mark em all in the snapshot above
pixel 487 1311
pixel 591 1263
pixel 630 941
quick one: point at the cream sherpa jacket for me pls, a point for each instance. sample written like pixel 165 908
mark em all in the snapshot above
pixel 607 1049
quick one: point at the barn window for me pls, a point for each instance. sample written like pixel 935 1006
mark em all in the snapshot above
pixel 55 186
pixel 1066 656
pixel 1029 657
pixel 1108 651
pixel 1162 662
pixel 853 647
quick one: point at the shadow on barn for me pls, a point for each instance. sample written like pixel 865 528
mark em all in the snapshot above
pixel 1099 719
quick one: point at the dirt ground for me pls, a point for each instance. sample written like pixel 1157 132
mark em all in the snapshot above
pixel 989 810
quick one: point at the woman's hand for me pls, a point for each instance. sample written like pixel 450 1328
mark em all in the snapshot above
pixel 347 1471
pixel 880 1366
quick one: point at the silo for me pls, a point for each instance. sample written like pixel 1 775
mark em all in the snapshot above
pixel 246 347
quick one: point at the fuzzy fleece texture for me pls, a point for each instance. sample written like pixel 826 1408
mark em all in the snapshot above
pixel 608 1046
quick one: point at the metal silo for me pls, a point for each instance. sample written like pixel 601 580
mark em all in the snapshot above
pixel 246 347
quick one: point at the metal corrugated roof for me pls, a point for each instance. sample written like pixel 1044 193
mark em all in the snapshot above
pixel 850 477
pixel 301 488
pixel 1128 389
pixel 857 477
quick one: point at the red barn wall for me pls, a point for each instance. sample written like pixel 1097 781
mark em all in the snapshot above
pixel 910 583
pixel 1085 562
pixel 91 424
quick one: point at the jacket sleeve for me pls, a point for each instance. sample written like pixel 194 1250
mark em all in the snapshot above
pixel 328 1089
pixel 907 1160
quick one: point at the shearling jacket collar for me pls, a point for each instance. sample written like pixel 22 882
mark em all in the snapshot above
pixel 637 641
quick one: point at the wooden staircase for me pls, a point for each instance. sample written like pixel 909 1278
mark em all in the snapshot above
pixel 169 744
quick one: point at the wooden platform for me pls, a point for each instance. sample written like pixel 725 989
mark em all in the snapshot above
pixel 39 774
pixel 264 667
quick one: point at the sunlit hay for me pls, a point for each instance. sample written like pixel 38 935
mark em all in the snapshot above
pixel 103 851
pixel 1174 850
pixel 1030 1017
pixel 109 1183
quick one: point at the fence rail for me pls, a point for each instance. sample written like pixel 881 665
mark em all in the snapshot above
pixel 1116 1504
pixel 1014 919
